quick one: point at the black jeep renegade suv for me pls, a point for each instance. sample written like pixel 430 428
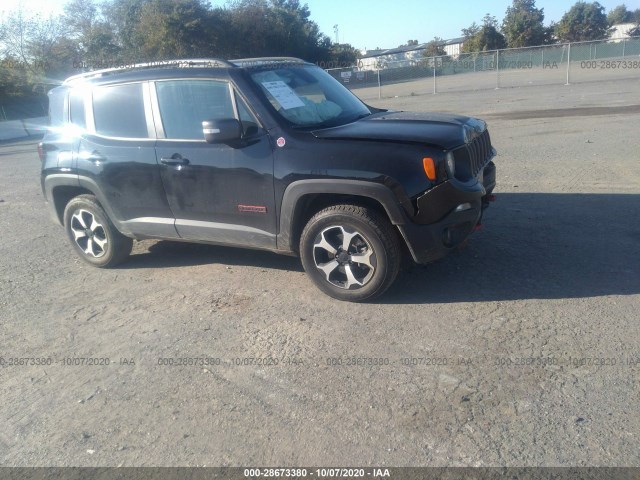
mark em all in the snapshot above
pixel 268 153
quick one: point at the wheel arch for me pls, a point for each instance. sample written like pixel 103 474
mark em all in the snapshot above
pixel 60 189
pixel 304 198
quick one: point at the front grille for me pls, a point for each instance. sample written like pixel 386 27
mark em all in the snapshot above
pixel 479 151
pixel 473 157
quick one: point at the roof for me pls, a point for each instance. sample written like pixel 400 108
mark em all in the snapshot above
pixel 202 63
pixel 393 51
pixel 454 41
pixel 412 48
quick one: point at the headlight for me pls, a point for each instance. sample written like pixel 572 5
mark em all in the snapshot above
pixel 467 133
pixel 450 165
pixel 472 129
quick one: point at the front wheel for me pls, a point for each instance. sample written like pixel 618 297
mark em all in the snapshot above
pixel 350 252
pixel 92 234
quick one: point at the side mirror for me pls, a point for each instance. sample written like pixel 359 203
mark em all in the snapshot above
pixel 224 130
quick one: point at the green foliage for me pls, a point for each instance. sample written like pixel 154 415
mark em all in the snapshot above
pixel 434 48
pixel 584 21
pixel 471 31
pixel 172 29
pixel 523 24
pixel 620 14
pixel 483 38
pixel 275 27
pixel 344 55
pixel 93 36
pixel 36 51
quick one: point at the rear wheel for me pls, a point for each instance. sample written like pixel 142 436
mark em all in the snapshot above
pixel 350 252
pixel 92 234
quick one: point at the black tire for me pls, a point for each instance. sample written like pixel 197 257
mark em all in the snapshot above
pixel 322 245
pixel 92 234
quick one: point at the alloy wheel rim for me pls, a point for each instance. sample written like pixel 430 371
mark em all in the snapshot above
pixel 88 233
pixel 345 257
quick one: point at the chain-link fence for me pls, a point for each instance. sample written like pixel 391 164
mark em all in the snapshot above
pixel 514 67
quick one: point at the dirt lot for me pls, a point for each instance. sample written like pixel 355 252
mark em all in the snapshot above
pixel 522 349
pixel 551 76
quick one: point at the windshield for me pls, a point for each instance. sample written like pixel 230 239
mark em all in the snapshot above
pixel 309 97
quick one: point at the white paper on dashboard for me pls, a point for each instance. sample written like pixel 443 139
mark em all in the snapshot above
pixel 283 94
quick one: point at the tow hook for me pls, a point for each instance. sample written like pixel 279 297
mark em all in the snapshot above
pixel 487 199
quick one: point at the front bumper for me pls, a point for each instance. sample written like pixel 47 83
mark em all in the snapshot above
pixel 447 215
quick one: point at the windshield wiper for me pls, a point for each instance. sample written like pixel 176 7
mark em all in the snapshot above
pixel 334 122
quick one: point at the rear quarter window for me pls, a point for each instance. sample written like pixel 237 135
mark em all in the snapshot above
pixel 57 108
pixel 76 109
pixel 118 111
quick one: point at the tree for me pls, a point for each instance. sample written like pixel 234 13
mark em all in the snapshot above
pixel 550 34
pixel 31 43
pixel 173 29
pixel 94 37
pixel 486 37
pixel 124 16
pixel 523 24
pixel 584 21
pixel 620 14
pixel 276 27
pixel 471 31
pixel 434 48
pixel 35 49
pixel 344 55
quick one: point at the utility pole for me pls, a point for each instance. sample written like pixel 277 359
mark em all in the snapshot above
pixel 336 30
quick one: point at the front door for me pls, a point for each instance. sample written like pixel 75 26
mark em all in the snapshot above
pixel 217 193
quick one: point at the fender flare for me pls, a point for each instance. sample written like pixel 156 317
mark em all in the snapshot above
pixel 79 181
pixel 296 190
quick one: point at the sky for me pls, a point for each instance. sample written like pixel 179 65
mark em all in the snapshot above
pixel 384 23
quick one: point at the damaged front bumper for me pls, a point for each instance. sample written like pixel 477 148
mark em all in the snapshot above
pixel 447 215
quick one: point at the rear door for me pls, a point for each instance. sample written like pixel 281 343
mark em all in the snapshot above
pixel 116 157
pixel 217 193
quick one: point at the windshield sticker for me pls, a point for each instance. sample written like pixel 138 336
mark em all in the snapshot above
pixel 283 94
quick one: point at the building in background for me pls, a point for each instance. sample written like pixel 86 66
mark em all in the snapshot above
pixel 405 56
pixel 621 31
pixel 453 47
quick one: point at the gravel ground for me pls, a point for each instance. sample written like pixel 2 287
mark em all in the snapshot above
pixel 522 349
pixel 552 76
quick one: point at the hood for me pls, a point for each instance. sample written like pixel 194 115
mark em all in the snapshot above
pixel 435 129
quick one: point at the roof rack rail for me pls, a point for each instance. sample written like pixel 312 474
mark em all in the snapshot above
pixel 178 63
pixel 265 61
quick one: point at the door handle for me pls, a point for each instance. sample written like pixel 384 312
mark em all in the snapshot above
pixel 174 160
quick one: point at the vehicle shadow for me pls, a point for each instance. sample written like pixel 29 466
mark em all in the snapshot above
pixel 537 246
pixel 181 254
pixel 533 246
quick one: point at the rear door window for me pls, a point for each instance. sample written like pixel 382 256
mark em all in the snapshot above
pixel 118 111
pixel 185 104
